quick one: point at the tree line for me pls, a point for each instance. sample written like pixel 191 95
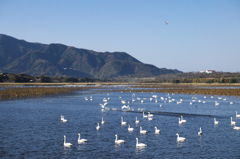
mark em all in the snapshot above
pixel 11 77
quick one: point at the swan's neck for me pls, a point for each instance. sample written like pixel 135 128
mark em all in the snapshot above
pixel 137 141
pixel 140 128
pixel 116 138
pixel 79 137
pixel 64 139
pixel 177 136
pixel 128 126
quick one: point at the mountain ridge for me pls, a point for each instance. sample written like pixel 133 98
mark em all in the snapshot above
pixel 20 56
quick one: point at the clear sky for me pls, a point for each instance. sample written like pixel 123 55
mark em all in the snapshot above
pixel 201 34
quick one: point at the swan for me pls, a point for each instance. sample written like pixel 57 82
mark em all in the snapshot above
pixel 62 119
pixel 233 122
pixel 66 144
pixel 130 129
pixel 118 141
pixel 156 130
pixel 123 101
pixel 81 140
pixel 149 118
pixel 98 127
pixel 200 132
pixel 236 127
pixel 140 144
pixel 142 131
pixel 104 100
pixel 123 122
pixel 180 138
pixel 231 102
pixel 144 116
pixel 183 121
pixel 160 105
pixel 190 103
pixel 156 101
pixel 103 105
pixel 216 103
pixel 237 114
pixel 137 121
pixel 150 115
pixel 102 121
pixel 179 121
pixel 215 122
pixel 142 101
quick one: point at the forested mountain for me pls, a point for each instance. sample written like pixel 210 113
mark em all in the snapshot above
pixel 19 56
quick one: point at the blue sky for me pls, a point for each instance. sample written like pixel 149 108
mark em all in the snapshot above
pixel 201 35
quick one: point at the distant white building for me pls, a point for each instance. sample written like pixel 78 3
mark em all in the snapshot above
pixel 208 71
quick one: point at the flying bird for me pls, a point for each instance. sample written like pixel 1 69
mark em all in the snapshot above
pixel 166 23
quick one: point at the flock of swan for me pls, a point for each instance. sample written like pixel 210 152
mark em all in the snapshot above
pixel 149 116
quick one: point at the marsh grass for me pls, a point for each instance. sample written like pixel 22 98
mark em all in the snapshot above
pixel 15 93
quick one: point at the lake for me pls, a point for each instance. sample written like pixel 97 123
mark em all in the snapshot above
pixel 31 128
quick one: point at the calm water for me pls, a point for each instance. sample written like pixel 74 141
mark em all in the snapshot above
pixel 31 128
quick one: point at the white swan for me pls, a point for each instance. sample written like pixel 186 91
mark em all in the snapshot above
pixel 130 129
pixel 118 141
pixel 232 122
pixel 98 127
pixel 215 122
pixel 190 103
pixel 137 121
pixel 62 119
pixel 216 103
pixel 237 114
pixel 66 144
pixel 200 132
pixel 156 130
pixel 102 121
pixel 231 102
pixel 236 127
pixel 140 144
pixel 103 105
pixel 150 115
pixel 81 140
pixel 179 121
pixel 123 122
pixel 150 118
pixel 180 138
pixel 142 131
pixel 104 100
pixel 144 116
pixel 183 121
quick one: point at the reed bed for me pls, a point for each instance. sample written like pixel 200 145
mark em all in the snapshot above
pixel 186 90
pixel 15 93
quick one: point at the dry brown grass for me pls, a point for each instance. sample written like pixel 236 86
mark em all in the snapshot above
pixel 14 93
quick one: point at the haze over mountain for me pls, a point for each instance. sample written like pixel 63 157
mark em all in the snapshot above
pixel 19 56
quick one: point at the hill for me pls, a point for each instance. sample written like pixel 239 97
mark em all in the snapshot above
pixel 19 56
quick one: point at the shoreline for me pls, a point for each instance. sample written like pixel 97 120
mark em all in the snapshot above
pixel 122 83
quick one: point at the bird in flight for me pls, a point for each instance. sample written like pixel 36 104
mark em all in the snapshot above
pixel 166 23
